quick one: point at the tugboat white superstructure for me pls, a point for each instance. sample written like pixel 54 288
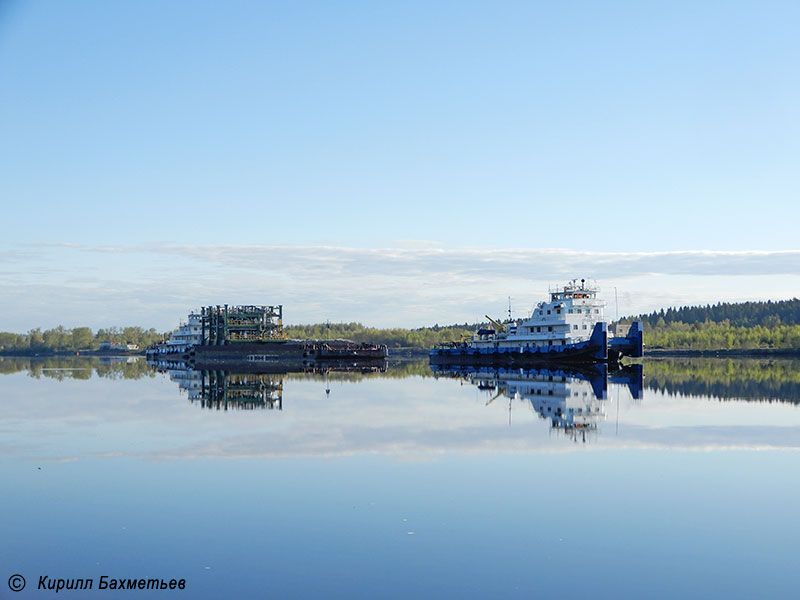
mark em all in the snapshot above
pixel 187 335
pixel 568 318
pixel 570 327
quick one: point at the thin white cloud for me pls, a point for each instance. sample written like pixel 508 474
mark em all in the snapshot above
pixel 410 287
pixel 547 263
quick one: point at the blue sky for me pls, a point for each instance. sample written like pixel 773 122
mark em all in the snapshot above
pixel 395 164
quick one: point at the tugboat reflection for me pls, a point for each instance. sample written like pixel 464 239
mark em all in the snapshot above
pixel 572 399
pixel 249 389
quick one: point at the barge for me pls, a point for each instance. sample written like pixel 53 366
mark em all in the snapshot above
pixel 223 334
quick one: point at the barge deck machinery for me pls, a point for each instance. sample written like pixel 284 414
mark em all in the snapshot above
pixel 250 333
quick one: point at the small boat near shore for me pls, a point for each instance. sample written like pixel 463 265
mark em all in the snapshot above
pixel 570 327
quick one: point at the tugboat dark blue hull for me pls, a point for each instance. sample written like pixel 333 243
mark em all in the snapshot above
pixel 597 349
pixel 632 345
pixel 593 350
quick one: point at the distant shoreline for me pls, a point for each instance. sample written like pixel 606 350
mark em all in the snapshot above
pixel 51 353
pixel 722 352
pixel 416 353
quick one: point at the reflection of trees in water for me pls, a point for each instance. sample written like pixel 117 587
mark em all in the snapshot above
pixel 395 370
pixel 77 367
pixel 740 379
pixel 83 367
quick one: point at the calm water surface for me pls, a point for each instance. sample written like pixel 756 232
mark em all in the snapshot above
pixel 403 483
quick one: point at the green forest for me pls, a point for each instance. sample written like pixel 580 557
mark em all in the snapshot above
pixel 417 339
pixel 740 314
pixel 729 326
pixel 79 339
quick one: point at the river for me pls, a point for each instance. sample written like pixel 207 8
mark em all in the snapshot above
pixel 675 479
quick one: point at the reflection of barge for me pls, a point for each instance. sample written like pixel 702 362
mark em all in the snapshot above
pixel 249 386
pixel 242 391
pixel 568 328
pixel 221 335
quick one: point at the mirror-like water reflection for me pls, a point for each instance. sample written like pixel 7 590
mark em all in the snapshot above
pixel 247 388
pixel 404 482
pixel 572 399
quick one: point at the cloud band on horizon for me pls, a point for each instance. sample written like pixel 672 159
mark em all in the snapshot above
pixel 156 283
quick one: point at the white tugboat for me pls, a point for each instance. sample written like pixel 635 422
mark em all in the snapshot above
pixel 187 335
pixel 570 327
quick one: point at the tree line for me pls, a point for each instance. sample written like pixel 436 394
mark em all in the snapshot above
pixel 61 339
pixel 713 336
pixel 418 339
pixel 726 325
pixel 739 314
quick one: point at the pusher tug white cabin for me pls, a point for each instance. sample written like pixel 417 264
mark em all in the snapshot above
pixel 570 327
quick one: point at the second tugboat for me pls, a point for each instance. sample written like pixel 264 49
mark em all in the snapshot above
pixel 568 328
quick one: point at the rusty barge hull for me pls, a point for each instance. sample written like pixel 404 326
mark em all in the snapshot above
pixel 285 352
